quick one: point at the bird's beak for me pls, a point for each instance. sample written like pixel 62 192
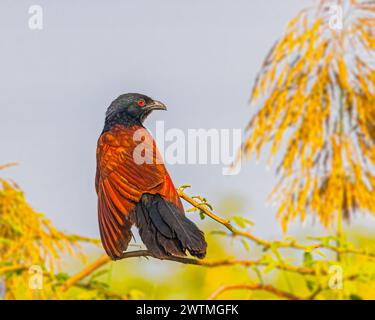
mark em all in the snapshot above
pixel 155 105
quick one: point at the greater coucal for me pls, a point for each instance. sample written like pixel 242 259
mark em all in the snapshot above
pixel 135 188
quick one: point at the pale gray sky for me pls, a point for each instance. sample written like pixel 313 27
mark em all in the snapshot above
pixel 199 57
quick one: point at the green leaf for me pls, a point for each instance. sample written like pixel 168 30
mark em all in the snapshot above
pixel 201 214
pixel 269 267
pixel 239 221
pixel 310 284
pixel 209 205
pixel 245 244
pixel 99 273
pixel 62 277
pixel 355 297
pixel 15 228
pixel 258 273
pixel 308 259
pixel 220 233
pixel 275 251
pixel 5 241
pixel 242 222
pixel 184 186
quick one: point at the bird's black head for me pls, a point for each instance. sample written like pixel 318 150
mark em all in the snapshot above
pixel 130 109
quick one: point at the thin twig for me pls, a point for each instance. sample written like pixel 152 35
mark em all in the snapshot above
pixel 320 288
pixel 253 287
pixel 8 165
pixel 106 293
pixel 85 272
pixel 11 269
pixel 264 243
pixel 204 263
pixel 78 238
pixel 236 232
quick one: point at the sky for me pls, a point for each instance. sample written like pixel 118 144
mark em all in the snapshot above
pixel 198 57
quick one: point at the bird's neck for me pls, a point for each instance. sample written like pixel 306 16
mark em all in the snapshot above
pixel 120 119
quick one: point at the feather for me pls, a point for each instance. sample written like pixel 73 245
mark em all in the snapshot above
pixel 147 232
pixel 143 194
pixel 165 231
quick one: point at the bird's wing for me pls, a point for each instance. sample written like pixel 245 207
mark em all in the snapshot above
pixel 121 181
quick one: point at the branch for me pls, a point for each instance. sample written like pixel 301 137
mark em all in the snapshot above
pixel 258 286
pixel 236 232
pixel 8 165
pixel 320 288
pixel 226 223
pixel 106 293
pixel 85 272
pixel 264 243
pixel 204 263
pixel 11 268
pixel 78 238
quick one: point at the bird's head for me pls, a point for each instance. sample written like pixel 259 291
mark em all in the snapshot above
pixel 132 108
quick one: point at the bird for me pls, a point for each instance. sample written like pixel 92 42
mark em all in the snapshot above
pixel 134 187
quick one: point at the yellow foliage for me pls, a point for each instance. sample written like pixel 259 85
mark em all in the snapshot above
pixel 318 89
pixel 28 242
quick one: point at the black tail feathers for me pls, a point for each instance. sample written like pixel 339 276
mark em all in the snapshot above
pixel 165 230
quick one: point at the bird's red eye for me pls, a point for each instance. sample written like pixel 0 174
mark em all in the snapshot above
pixel 141 102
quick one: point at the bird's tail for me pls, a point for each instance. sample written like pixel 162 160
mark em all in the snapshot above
pixel 165 230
